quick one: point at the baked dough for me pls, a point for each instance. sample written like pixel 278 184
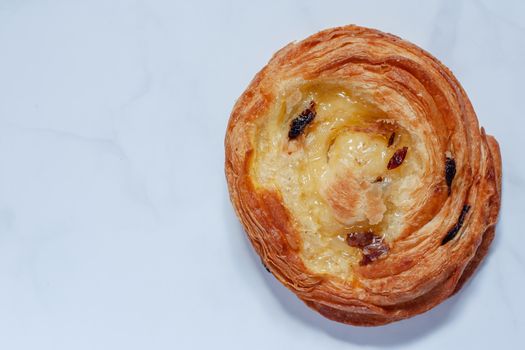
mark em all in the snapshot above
pixel 357 167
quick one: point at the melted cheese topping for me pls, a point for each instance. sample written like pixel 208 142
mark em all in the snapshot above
pixel 334 178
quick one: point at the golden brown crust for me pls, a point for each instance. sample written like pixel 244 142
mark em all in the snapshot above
pixel 419 271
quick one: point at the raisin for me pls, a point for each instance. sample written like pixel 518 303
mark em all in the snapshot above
pixel 372 246
pixel 360 239
pixel 397 159
pixel 450 172
pixel 455 229
pixel 374 251
pixel 391 139
pixel 299 123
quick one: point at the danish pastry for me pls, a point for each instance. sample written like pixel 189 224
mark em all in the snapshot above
pixel 355 162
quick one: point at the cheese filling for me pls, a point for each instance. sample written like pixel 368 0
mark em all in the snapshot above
pixel 336 177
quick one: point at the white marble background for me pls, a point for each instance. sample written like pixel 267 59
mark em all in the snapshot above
pixel 116 231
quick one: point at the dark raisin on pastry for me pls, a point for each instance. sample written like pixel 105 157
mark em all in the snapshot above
pixel 391 139
pixel 397 159
pixel 455 229
pixel 372 245
pixel 450 172
pixel 298 124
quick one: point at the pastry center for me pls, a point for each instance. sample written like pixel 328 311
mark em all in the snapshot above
pixel 342 166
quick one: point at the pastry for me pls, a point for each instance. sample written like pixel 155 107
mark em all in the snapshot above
pixel 355 162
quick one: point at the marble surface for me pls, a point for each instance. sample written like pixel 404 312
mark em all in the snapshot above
pixel 116 231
